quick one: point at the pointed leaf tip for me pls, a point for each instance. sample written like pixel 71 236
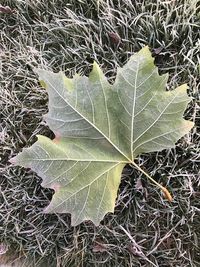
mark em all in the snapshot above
pixel 46 210
pixel 13 160
pixel 145 51
pixel 96 72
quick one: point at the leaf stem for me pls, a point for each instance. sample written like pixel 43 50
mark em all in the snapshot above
pixel 164 189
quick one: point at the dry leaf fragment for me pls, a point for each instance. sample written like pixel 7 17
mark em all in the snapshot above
pixel 99 247
pixel 114 37
pixel 6 10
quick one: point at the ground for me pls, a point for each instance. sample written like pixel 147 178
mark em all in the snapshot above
pixel 145 230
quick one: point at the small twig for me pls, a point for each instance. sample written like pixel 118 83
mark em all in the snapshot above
pixel 164 190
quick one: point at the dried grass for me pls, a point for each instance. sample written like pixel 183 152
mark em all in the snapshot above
pixel 145 230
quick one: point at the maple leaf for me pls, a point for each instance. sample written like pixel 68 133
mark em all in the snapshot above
pixel 100 128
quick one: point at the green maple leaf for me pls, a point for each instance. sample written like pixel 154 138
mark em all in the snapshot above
pixel 100 128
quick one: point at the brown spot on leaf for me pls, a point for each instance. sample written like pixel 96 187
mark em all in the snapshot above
pixel 56 187
pixel 57 138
